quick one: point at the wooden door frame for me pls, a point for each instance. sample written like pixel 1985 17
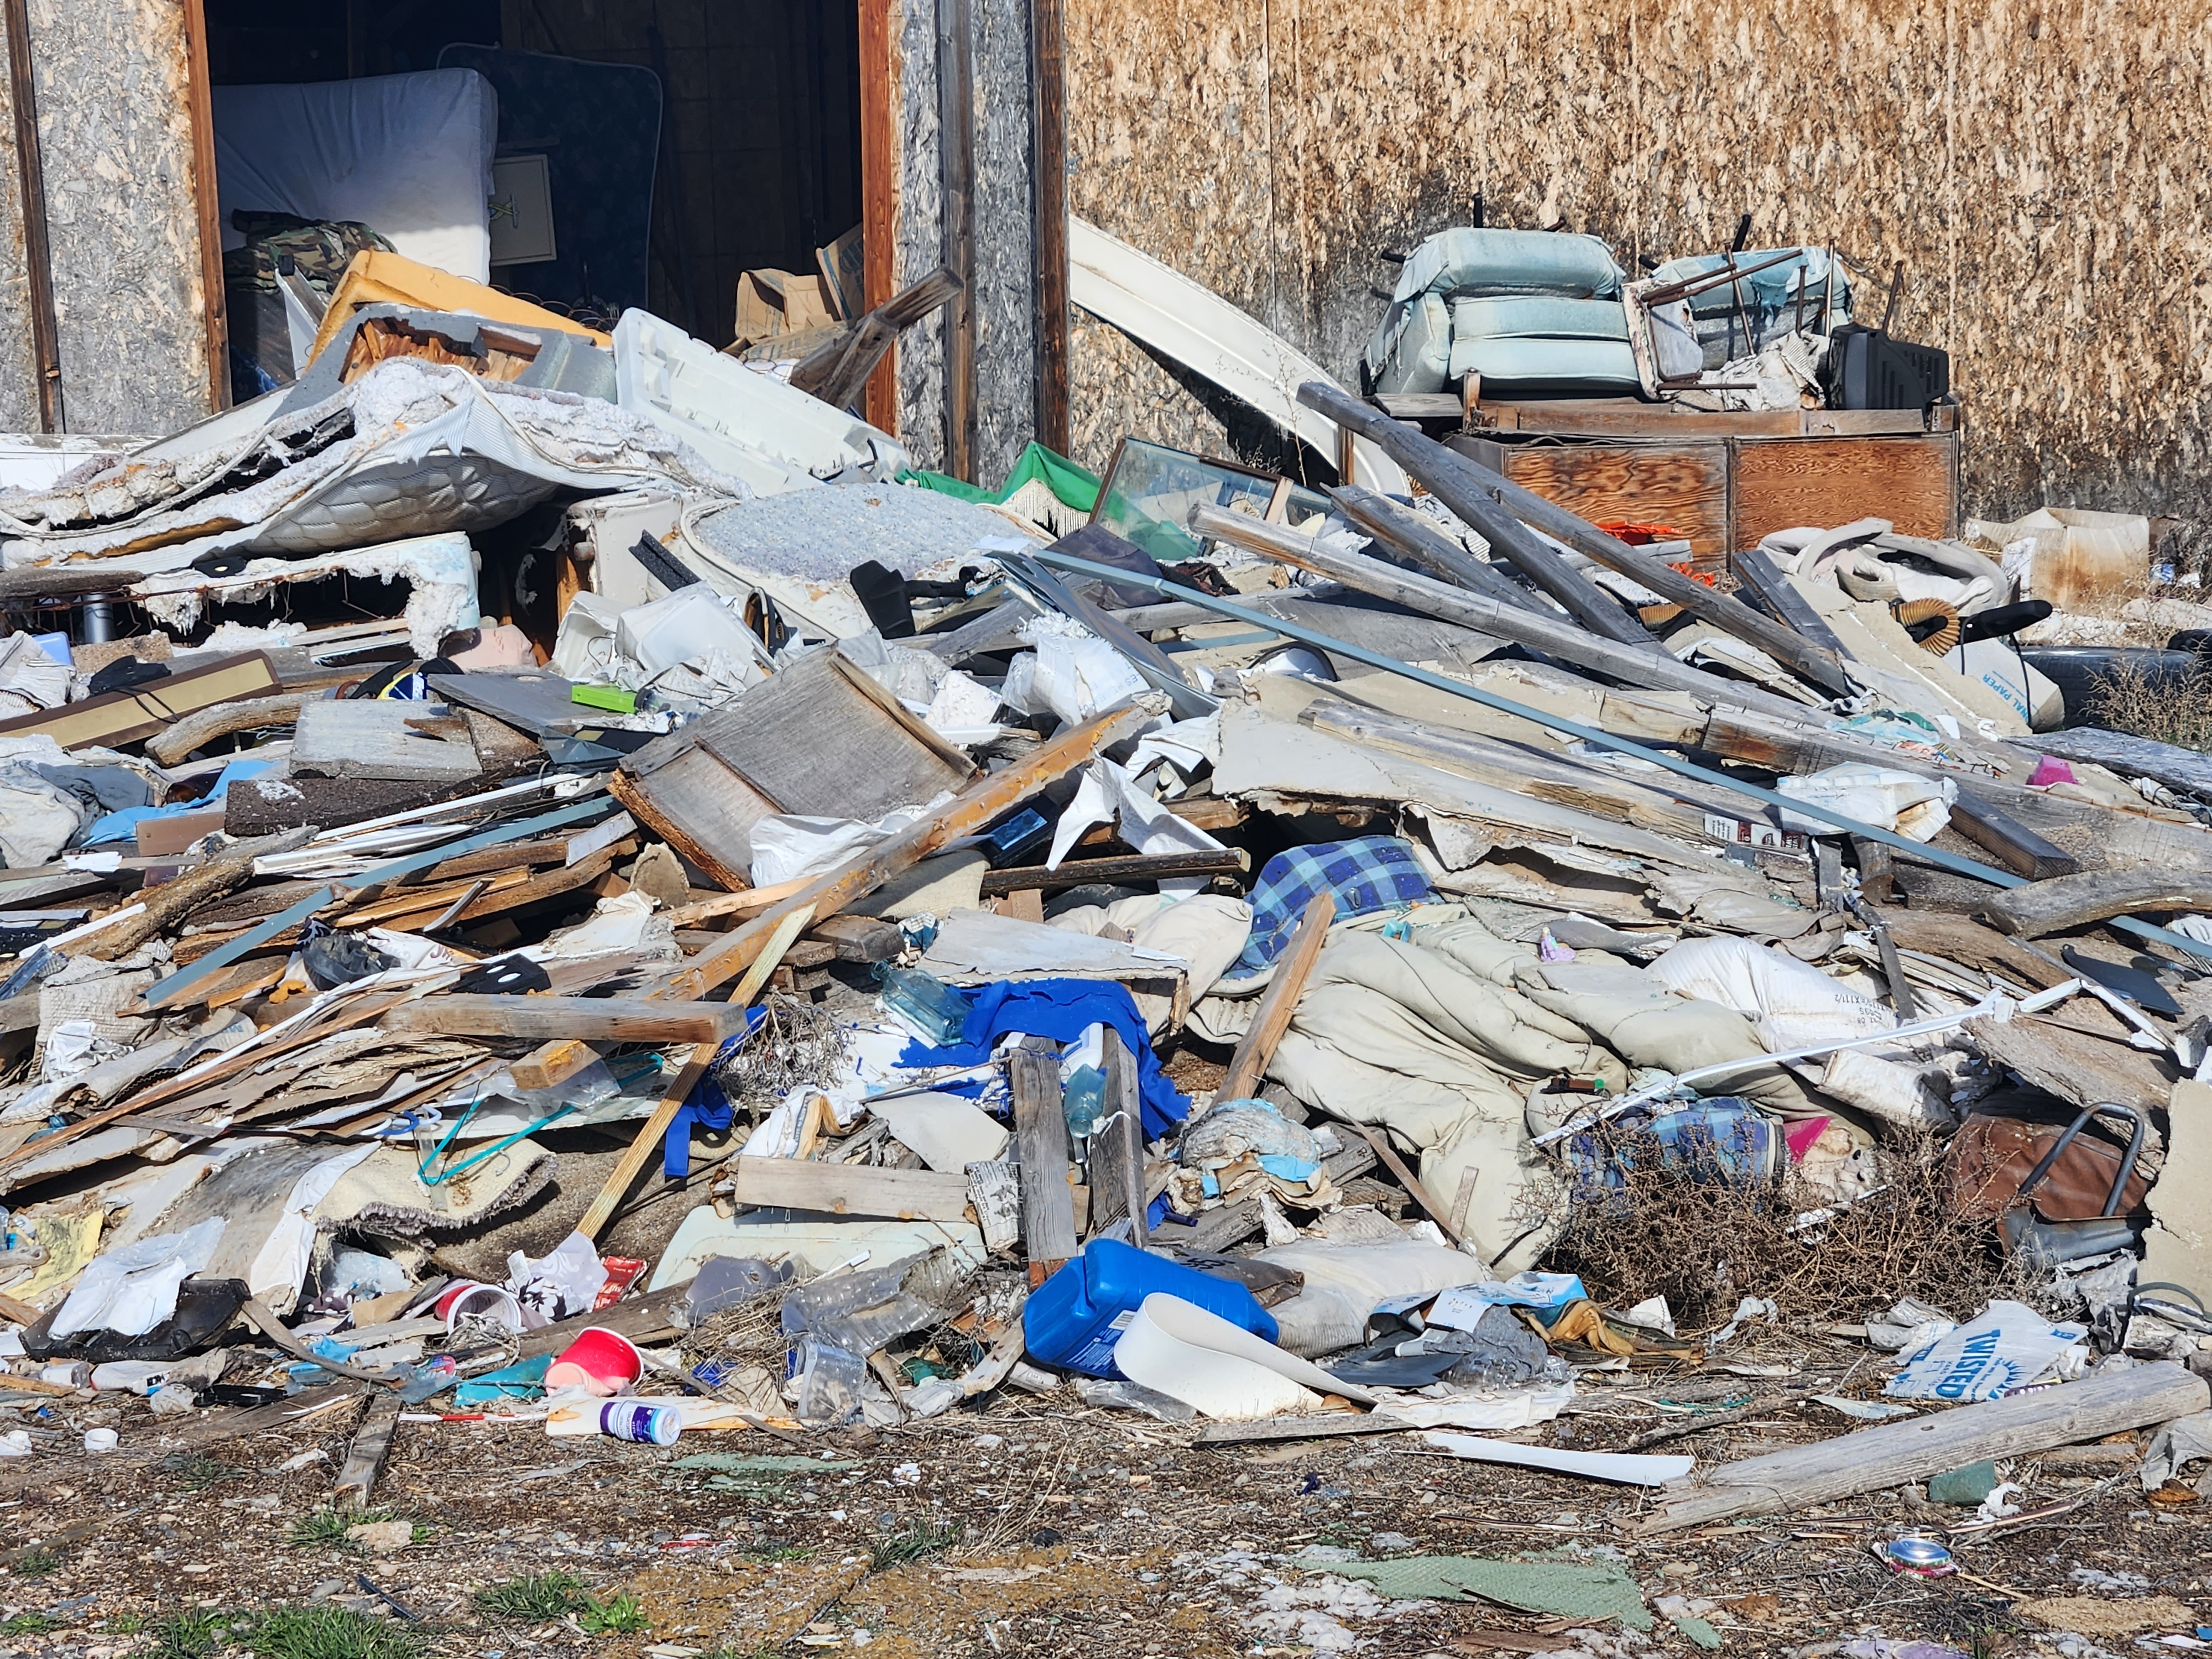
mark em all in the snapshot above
pixel 879 190
pixel 199 100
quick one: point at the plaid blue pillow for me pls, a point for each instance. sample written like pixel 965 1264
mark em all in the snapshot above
pixel 1375 872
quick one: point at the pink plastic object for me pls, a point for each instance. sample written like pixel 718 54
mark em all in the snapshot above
pixel 2049 770
pixel 598 1361
pixel 1800 1135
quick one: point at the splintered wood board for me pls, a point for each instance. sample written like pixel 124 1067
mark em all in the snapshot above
pixel 820 737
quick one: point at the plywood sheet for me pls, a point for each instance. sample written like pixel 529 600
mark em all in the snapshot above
pixel 1682 485
pixel 1782 482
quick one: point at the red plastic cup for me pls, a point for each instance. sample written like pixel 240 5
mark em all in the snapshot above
pixel 599 1361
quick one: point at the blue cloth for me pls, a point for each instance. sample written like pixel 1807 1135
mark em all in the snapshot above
pixel 1373 872
pixel 1062 1009
pixel 124 824
pixel 707 1107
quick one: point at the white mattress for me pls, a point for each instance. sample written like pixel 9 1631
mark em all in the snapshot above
pixel 409 156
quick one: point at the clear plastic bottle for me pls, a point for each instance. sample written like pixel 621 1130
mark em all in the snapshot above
pixel 1085 1101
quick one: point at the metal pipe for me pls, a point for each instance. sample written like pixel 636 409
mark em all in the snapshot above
pixel 1659 757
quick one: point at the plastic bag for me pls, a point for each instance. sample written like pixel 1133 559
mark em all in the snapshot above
pixel 132 1290
pixel 1901 801
pixel 2008 1347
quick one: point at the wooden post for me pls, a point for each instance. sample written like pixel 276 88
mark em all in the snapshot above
pixel 38 248
pixel 1117 1149
pixel 372 1444
pixel 880 153
pixel 200 101
pixel 1048 120
pixel 1041 1137
pixel 956 139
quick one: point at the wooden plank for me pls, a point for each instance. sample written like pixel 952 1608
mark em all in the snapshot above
pixel 595 1019
pixel 1042 1146
pixel 655 1127
pixel 116 718
pixel 1410 534
pixel 1117 1148
pixel 1892 1454
pixel 1683 485
pixel 2015 846
pixel 649 1136
pixel 1154 866
pixel 1380 1140
pixel 1762 578
pixel 364 1459
pixel 1279 1001
pixel 1780 484
pixel 2074 1064
pixel 791 1183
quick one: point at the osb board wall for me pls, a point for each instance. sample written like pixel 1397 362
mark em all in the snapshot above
pixel 2037 167
pixel 115 137
pixel 1004 278
pixel 19 384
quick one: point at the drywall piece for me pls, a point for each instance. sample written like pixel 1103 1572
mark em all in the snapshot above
pixel 1625 1468
pixel 2177 1245
pixel 1189 322
pixel 1198 1358
pixel 744 423
pixel 948 1132
pixel 979 947
pixel 395 742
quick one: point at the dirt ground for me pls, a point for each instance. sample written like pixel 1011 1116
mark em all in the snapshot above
pixel 1037 1527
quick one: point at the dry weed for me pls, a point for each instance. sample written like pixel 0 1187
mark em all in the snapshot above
pixel 1705 1244
pixel 2156 706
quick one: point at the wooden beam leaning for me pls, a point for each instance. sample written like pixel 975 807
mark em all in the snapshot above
pixel 1417 538
pixel 1117 1148
pixel 1643 665
pixel 981 803
pixel 1894 1453
pixel 1461 483
pixel 1279 1001
pixel 1434 465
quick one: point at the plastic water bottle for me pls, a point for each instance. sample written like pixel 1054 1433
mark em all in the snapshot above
pixel 1085 1101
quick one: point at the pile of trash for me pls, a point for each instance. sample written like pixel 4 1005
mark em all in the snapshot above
pixel 599 898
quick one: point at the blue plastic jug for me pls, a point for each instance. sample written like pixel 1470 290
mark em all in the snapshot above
pixel 1074 1318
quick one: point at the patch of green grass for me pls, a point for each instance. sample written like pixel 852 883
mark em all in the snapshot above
pixel 29 1624
pixel 198 1471
pixel 915 1541
pixel 780 1552
pixel 193 1635
pixel 125 1624
pixel 327 1527
pixel 618 1615
pixel 327 1632
pixel 539 1597
pixel 36 1563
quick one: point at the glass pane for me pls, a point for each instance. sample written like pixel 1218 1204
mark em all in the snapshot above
pixel 1149 495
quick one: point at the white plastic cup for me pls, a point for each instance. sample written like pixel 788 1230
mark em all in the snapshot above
pixel 100 1440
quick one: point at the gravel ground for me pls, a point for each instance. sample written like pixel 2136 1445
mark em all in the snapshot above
pixel 1033 1528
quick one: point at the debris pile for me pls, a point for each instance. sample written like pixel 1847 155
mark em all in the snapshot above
pixel 595 902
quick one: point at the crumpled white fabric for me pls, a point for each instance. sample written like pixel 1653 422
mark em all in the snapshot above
pixel 789 845
pixel 132 1290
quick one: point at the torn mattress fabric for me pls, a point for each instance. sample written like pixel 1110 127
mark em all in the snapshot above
pixel 410 448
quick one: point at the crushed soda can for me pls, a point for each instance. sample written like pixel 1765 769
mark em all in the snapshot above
pixel 1924 1558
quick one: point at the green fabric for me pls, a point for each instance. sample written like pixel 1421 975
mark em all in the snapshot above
pixel 1070 484
pixel 1699 1633
pixel 1565 1589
